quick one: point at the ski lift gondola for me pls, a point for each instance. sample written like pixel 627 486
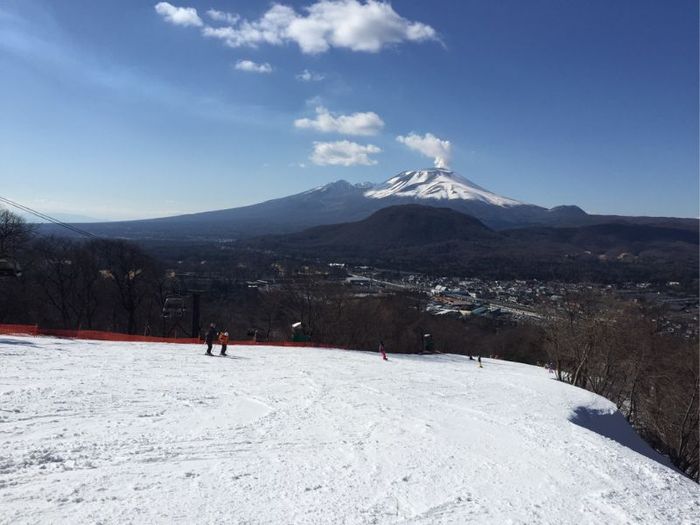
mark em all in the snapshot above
pixel 10 268
pixel 174 307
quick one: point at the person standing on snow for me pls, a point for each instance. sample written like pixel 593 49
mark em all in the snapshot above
pixel 223 341
pixel 209 337
pixel 381 350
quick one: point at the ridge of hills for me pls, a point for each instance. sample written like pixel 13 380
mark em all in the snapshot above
pixel 342 202
pixel 431 239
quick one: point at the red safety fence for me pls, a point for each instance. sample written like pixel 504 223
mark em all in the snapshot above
pixel 22 329
pixel 19 329
pixel 31 329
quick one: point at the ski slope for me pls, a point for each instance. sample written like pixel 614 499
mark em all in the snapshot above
pixel 98 432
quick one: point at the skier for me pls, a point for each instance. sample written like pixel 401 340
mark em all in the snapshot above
pixel 209 338
pixel 479 360
pixel 223 340
pixel 381 350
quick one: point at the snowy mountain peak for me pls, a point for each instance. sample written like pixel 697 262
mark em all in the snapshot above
pixel 437 183
pixel 340 186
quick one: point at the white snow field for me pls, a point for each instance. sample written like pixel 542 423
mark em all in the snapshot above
pixel 99 432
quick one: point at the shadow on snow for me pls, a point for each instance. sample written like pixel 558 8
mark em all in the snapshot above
pixel 614 426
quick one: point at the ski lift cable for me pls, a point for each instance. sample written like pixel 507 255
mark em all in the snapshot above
pixel 27 209
pixel 46 217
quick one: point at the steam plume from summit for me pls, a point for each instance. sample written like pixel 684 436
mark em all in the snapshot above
pixel 430 146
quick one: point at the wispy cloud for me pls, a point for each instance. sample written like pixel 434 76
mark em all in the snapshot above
pixel 222 16
pixel 430 146
pixel 343 153
pixel 310 76
pixel 367 123
pixel 179 16
pixel 44 44
pixel 253 67
pixel 347 24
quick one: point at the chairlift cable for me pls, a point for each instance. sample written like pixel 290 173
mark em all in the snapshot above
pixel 45 217
pixel 48 218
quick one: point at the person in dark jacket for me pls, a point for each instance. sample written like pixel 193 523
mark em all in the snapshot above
pixel 382 351
pixel 210 337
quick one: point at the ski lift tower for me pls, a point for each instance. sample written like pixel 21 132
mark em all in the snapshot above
pixel 174 310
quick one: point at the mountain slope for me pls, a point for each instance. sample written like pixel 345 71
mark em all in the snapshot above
pixel 444 241
pixel 338 202
pixel 437 184
pixel 632 237
pixel 396 226
pixel 341 201
pixel 305 435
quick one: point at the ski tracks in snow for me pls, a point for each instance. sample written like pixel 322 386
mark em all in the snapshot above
pixel 112 433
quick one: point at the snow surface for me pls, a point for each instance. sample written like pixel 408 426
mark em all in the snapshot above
pixel 437 184
pixel 99 432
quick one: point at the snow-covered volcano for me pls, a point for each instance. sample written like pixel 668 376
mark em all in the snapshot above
pixel 341 201
pixel 438 184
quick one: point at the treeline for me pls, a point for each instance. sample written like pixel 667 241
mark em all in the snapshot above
pixel 336 315
pixel 115 285
pixel 618 350
pixel 452 259
pixel 507 261
pixel 93 284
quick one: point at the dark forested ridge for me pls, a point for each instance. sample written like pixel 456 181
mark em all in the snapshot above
pixel 444 241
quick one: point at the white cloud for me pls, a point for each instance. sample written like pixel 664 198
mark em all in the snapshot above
pixel 367 123
pixel 310 76
pixel 253 67
pixel 270 29
pixel 430 146
pixel 349 24
pixel 222 16
pixel 354 25
pixel 179 16
pixel 343 153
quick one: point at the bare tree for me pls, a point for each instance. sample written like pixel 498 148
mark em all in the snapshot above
pixel 618 350
pixel 57 278
pixel 15 233
pixel 132 273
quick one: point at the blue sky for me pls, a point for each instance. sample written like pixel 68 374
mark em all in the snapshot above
pixel 127 109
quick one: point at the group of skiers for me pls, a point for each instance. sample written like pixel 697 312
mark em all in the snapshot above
pixel 212 335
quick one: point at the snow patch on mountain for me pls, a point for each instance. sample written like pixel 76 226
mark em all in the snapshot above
pixel 339 186
pixel 437 184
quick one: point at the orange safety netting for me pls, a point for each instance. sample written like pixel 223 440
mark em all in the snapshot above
pixel 19 329
pixel 30 329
